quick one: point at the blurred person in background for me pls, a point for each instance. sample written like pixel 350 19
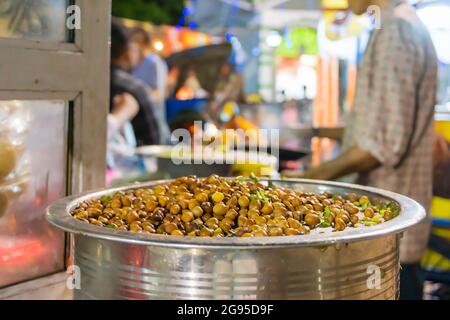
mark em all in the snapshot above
pixel 230 88
pixel 128 90
pixel 388 140
pixel 124 108
pixel 153 70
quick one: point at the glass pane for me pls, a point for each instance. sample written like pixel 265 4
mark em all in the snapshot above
pixel 33 158
pixel 34 19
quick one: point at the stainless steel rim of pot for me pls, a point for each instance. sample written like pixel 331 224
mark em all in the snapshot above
pixel 411 213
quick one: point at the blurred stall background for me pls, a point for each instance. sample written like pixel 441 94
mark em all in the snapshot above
pixel 280 64
pixel 288 63
pixel 239 64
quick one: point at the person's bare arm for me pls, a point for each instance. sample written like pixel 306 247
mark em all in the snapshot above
pixel 354 160
pixel 335 133
pixel 125 108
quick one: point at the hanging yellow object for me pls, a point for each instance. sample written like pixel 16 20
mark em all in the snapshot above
pixel 229 109
pixel 352 25
pixel 254 98
pixel 334 4
pixel 245 124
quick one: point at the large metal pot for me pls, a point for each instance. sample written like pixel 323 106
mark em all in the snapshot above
pixel 357 263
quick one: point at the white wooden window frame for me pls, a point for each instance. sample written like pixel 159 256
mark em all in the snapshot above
pixel 76 72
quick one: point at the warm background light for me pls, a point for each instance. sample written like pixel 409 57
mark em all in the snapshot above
pixel 159 46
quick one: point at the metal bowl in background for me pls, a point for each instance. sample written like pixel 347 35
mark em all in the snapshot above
pixel 357 263
pixel 204 166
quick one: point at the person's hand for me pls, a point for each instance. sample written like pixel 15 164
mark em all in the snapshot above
pixel 298 131
pixel 441 150
pixel 292 174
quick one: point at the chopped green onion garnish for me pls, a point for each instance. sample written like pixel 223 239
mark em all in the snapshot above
pixel 254 177
pixel 106 198
pixel 241 179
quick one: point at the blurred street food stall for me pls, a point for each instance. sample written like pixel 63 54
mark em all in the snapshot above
pixel 201 64
pixel 206 88
pixel 298 62
pixel 233 66
pixel 299 59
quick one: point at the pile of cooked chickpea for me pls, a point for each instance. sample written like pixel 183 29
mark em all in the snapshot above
pixel 227 207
